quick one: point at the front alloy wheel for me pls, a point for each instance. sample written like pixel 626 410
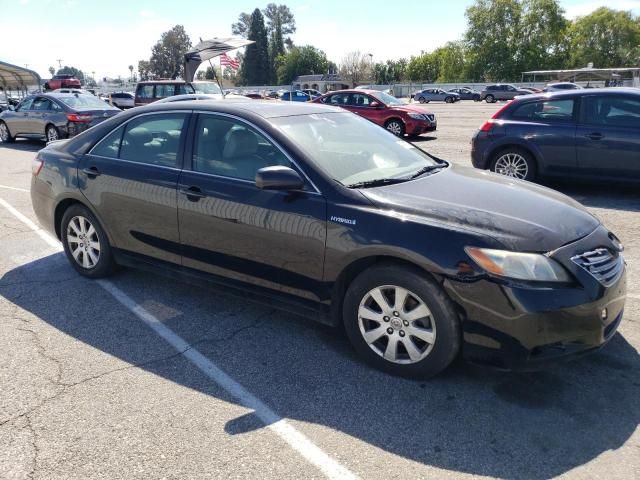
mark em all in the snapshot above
pixel 396 324
pixel 396 127
pixel 5 136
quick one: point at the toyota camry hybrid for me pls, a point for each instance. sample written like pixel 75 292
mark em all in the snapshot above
pixel 317 211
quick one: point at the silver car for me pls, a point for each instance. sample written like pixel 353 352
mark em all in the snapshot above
pixel 435 95
pixel 53 116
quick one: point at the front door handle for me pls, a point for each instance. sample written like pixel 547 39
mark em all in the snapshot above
pixel 92 172
pixel 193 193
pixel 595 136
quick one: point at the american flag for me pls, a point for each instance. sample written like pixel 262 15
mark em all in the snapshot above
pixel 227 61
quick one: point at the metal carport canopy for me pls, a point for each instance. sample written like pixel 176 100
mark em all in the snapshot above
pixel 16 78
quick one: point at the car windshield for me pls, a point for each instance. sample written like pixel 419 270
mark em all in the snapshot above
pixel 387 99
pixel 85 102
pixel 351 149
pixel 206 87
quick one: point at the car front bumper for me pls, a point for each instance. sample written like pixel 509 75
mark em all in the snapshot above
pixel 517 327
pixel 417 127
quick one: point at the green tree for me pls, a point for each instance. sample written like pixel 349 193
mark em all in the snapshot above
pixel 423 68
pixel 167 55
pixel 542 38
pixel 144 69
pixel 76 72
pixel 606 37
pixel 298 61
pixel 255 69
pixel 389 72
pixel 450 61
pixel 492 39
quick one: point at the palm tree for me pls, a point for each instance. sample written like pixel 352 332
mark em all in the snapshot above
pixel 131 70
pixel 52 71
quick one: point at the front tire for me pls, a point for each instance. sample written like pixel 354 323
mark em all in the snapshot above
pixel 85 243
pixel 400 321
pixel 5 134
pixel 448 100
pixel 395 126
pixel 422 100
pixel 490 99
pixel 515 163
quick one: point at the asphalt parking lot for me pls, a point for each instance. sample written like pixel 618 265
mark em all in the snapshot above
pixel 145 377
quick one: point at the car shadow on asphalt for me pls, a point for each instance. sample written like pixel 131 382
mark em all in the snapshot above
pixel 25 145
pixel 469 419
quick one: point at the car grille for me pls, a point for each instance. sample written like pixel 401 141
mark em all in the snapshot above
pixel 602 264
pixel 430 116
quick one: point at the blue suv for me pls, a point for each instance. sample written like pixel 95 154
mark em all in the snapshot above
pixel 591 133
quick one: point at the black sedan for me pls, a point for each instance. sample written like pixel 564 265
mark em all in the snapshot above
pixel 53 116
pixel 466 93
pixel 589 134
pixel 321 212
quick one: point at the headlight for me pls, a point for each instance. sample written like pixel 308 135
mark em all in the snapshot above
pixel 417 116
pixel 518 266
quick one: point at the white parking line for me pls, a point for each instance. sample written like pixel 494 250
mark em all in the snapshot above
pixel 294 438
pixel 14 188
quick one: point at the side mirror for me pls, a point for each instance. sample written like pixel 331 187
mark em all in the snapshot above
pixel 278 178
pixel 375 104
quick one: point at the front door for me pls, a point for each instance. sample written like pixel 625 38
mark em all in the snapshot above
pixel 608 136
pixel 130 178
pixel 230 227
pixel 20 119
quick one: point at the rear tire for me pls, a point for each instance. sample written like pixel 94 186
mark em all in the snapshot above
pixel 490 99
pixel 51 133
pixel 448 99
pixel 514 162
pixel 414 315
pixel 5 134
pixel 85 243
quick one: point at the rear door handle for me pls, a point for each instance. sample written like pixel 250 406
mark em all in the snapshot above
pixel 91 172
pixel 595 136
pixel 193 193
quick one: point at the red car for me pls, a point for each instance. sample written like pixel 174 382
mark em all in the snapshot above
pixel 62 81
pixel 384 110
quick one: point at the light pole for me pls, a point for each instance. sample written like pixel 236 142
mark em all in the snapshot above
pixel 59 60
pixel 371 66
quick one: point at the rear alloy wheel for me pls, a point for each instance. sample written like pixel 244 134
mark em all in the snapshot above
pixel 515 164
pixel 52 134
pixel 490 99
pixel 396 127
pixel 422 100
pixel 5 135
pixel 449 99
pixel 401 322
pixel 85 243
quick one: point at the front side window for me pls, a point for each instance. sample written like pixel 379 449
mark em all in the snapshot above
pixel 185 89
pixel 150 139
pixel 612 110
pixel 25 104
pixel 559 110
pixel 231 148
pixel 351 149
pixel 359 100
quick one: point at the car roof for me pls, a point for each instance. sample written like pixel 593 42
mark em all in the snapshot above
pixel 580 92
pixel 152 82
pixel 264 109
pixel 354 90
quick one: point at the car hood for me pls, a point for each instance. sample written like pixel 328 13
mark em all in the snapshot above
pixel 521 215
pixel 411 108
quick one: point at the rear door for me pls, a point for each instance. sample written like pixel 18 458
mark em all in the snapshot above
pixel 230 227
pixel 550 126
pixel 608 136
pixel 131 177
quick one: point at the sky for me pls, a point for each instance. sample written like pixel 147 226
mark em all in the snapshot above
pixel 106 36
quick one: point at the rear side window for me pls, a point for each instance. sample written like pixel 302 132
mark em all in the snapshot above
pixel 145 91
pixel 552 110
pixel 166 90
pixel 150 139
pixel 615 111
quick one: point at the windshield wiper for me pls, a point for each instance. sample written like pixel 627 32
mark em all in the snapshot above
pixel 377 182
pixel 427 169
